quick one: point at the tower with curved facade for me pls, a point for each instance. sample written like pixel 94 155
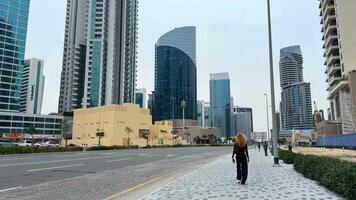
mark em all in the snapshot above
pixel 176 75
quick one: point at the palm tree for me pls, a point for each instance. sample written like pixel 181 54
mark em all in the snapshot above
pixel 128 130
pixel 31 130
pixel 100 134
pixel 197 140
pixel 212 139
pixel 146 134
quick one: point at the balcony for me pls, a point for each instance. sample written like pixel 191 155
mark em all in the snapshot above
pixel 333 59
pixel 329 29
pixel 333 49
pixel 331 38
pixel 333 69
pixel 333 80
pixel 330 18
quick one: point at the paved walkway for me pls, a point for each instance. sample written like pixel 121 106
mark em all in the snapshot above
pixel 217 181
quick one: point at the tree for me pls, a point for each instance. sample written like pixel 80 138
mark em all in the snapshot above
pixel 204 139
pixel 212 139
pixel 31 130
pixel 100 134
pixel 128 130
pixel 146 135
pixel 197 140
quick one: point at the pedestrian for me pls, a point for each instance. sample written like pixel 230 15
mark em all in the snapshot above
pixel 265 147
pixel 259 146
pixel 241 158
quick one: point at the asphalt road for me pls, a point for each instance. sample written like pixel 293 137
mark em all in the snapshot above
pixel 97 175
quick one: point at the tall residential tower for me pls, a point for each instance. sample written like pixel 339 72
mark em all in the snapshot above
pixel 338 20
pixel 176 75
pixel 296 104
pixel 99 59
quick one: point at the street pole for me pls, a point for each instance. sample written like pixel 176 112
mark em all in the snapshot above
pixel 268 130
pixel 183 107
pixel 274 132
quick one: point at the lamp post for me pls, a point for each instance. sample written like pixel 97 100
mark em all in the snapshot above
pixel 183 105
pixel 267 106
pixel 273 100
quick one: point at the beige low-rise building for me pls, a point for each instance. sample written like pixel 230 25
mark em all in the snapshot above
pixel 122 125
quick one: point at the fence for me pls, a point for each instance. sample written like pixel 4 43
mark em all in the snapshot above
pixel 346 140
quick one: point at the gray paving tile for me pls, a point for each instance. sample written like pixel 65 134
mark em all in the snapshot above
pixel 218 181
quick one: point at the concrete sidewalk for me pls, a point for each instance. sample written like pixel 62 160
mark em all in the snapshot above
pixel 218 181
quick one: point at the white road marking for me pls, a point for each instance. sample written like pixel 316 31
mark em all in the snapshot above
pixel 8 159
pixel 58 167
pixel 143 154
pixel 117 160
pixel 169 155
pixel 67 160
pixel 9 189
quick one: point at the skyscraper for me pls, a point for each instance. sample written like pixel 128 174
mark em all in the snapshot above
pixel 33 82
pixel 176 75
pixel 339 30
pixel 99 59
pixel 203 113
pixel 220 101
pixel 13 32
pixel 296 104
pixel 141 97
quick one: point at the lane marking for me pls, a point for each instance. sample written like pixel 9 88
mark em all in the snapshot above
pixel 9 189
pixel 117 160
pixel 8 159
pixel 169 155
pixel 58 167
pixel 143 154
pixel 131 189
pixel 67 160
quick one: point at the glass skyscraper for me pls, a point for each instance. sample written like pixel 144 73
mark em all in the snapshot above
pixel 220 103
pixel 13 31
pixel 176 75
pixel 296 105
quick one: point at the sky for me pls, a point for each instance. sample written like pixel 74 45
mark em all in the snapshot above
pixel 231 37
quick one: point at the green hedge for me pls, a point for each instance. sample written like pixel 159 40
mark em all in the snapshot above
pixel 336 175
pixel 26 150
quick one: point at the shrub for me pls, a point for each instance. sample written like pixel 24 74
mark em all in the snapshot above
pixel 286 156
pixel 336 175
pixel 26 150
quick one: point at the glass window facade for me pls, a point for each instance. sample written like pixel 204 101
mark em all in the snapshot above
pixel 176 75
pixel 220 105
pixel 175 82
pixel 13 30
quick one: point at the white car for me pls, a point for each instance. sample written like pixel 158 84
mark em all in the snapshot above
pixel 26 143
pixel 50 144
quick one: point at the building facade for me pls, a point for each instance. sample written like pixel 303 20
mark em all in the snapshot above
pixel 99 59
pixel 203 114
pixel 242 121
pixel 15 126
pixel 220 100
pixel 176 75
pixel 338 20
pixel 141 97
pixel 296 104
pixel 32 88
pixel 13 32
pixel 122 125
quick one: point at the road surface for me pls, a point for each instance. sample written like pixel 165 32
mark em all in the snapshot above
pixel 121 174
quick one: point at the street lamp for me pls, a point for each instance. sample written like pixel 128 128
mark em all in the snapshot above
pixel 267 116
pixel 274 132
pixel 183 105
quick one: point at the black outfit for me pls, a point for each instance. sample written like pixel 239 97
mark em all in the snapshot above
pixel 259 147
pixel 241 159
pixel 265 147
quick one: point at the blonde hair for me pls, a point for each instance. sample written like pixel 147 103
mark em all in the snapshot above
pixel 241 140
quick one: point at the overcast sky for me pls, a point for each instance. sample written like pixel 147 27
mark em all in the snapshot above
pixel 231 37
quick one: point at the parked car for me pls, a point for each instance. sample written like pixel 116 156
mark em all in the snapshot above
pixel 50 144
pixel 7 143
pixel 26 143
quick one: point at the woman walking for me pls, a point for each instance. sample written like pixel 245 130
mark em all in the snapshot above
pixel 241 158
